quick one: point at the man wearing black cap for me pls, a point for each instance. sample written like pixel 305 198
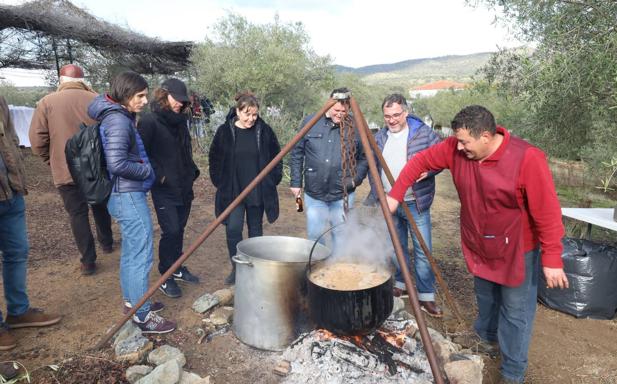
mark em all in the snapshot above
pixel 166 137
pixel 56 119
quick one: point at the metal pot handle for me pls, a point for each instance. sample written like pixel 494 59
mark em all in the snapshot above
pixel 239 259
pixel 308 267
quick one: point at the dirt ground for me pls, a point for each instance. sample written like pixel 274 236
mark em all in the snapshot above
pixel 563 349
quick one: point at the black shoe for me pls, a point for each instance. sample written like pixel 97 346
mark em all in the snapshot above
pixel 231 279
pixel 88 269
pixel 183 274
pixel 170 288
pixel 107 248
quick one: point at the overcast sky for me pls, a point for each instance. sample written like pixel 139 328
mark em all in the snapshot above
pixel 353 33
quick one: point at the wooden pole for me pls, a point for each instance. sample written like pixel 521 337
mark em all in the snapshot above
pixel 398 249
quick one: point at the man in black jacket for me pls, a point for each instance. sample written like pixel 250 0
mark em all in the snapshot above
pixel 319 158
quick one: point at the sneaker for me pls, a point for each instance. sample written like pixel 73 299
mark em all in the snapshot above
pixel 155 307
pixel 431 309
pixel 170 288
pixel 33 317
pixel 477 344
pixel 7 341
pixel 231 279
pixel 7 371
pixel 154 324
pixel 183 274
pixel 88 269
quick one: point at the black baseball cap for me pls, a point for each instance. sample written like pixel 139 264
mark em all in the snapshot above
pixel 176 89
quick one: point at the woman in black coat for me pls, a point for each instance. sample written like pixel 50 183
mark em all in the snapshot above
pixel 166 138
pixel 241 148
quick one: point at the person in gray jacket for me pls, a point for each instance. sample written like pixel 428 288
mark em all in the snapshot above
pixel 402 137
pixel 317 157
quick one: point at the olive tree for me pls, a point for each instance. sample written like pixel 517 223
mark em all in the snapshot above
pixel 274 61
pixel 567 83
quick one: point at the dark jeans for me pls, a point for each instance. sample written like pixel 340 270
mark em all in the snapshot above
pixel 172 219
pixel 506 314
pixel 76 206
pixel 235 224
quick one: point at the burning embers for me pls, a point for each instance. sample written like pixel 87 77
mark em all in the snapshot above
pixel 389 355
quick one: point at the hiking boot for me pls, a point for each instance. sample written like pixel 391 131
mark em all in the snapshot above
pixel 33 317
pixel 7 371
pixel 431 309
pixel 170 288
pixel 88 269
pixel 398 292
pixel 7 341
pixel 154 323
pixel 477 344
pixel 231 279
pixel 183 274
pixel 155 306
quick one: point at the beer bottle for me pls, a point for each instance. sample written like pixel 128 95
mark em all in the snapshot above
pixel 299 205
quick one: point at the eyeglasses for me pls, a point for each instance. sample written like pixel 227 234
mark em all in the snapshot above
pixel 393 116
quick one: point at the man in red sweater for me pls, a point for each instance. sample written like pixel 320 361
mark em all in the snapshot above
pixel 509 212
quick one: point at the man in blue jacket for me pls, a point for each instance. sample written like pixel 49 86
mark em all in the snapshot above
pixel 403 136
pixel 318 162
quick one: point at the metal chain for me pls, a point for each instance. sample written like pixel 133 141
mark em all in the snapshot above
pixel 348 157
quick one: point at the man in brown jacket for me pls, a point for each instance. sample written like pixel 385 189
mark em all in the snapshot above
pixel 57 117
pixel 14 240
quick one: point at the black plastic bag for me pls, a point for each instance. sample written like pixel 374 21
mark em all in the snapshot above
pixel 592 273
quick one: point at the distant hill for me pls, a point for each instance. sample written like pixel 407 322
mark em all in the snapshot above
pixel 420 71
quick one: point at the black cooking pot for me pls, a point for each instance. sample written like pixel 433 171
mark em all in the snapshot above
pixel 349 312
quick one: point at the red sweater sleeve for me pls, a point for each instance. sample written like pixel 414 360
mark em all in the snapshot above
pixel 434 158
pixel 542 206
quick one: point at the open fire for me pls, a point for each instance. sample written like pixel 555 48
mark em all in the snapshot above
pixel 391 354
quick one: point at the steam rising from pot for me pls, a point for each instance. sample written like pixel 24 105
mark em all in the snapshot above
pixel 363 239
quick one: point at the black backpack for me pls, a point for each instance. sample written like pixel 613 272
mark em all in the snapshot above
pixel 86 163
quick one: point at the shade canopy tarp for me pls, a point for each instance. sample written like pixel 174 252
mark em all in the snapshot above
pixel 61 19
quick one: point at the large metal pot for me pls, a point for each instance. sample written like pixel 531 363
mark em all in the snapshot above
pixel 269 274
pixel 350 312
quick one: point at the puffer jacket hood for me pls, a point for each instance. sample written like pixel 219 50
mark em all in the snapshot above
pixel 414 123
pixel 102 105
pixel 125 155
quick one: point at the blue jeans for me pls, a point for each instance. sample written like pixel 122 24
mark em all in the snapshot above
pixel 130 210
pixel 321 215
pixel 425 278
pixel 506 314
pixel 14 247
